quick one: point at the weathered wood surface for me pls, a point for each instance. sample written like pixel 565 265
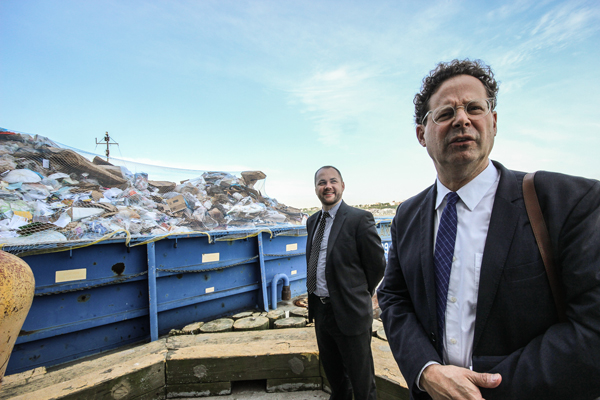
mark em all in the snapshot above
pixel 243 314
pixel 124 375
pixel 218 325
pixel 275 315
pixel 242 356
pixel 191 329
pixel 381 334
pixel 293 384
pixel 375 327
pixel 204 363
pixel 299 312
pixel 251 324
pixel 194 328
pixel 193 390
pixel 390 390
pixel 158 394
pixel 291 322
pixel 390 382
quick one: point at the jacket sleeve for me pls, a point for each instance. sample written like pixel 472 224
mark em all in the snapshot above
pixel 408 339
pixel 371 252
pixel 564 361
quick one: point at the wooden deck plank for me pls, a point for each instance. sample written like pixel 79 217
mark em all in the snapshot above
pixel 238 356
pixel 195 363
pixel 130 373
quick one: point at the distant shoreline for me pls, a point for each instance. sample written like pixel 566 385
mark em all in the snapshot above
pixel 378 209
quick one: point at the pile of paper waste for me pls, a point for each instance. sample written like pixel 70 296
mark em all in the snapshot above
pixel 53 194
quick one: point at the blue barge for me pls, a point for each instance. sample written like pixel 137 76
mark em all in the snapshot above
pixel 94 298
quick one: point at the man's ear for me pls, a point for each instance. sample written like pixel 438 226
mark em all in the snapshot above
pixel 421 135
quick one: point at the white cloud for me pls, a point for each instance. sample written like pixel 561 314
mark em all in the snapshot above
pixel 337 99
pixel 560 27
pixel 531 156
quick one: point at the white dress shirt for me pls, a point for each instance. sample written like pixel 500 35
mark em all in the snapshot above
pixel 474 210
pixel 321 289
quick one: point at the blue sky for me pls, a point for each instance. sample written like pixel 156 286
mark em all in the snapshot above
pixel 288 86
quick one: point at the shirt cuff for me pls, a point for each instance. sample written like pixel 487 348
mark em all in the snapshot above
pixel 421 373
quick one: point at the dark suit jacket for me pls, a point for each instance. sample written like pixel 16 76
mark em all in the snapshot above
pixel 516 328
pixel 354 267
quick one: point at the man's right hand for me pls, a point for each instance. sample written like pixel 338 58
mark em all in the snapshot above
pixel 444 382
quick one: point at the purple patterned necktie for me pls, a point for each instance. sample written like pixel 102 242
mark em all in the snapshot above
pixel 442 261
pixel 311 272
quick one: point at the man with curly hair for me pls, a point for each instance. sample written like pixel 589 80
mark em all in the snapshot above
pixel 466 302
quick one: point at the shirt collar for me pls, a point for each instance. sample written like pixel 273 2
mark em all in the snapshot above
pixel 472 193
pixel 333 210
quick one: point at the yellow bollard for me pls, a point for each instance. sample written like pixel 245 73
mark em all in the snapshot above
pixel 17 287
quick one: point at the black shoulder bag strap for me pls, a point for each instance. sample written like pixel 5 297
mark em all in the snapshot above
pixel 534 212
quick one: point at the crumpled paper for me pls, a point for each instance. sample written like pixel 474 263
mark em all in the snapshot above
pixel 52 194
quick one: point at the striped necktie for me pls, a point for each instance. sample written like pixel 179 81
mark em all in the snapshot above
pixel 442 261
pixel 311 272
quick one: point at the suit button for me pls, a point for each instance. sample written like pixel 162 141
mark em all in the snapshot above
pixel 432 337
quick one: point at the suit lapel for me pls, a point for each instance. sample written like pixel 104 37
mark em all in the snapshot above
pixel 426 219
pixel 503 223
pixel 340 217
pixel 310 229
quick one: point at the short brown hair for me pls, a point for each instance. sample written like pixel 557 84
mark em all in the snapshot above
pixel 444 71
pixel 328 166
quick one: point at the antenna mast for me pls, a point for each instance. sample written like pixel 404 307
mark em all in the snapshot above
pixel 108 143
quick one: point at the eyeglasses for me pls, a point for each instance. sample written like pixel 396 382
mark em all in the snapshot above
pixel 475 109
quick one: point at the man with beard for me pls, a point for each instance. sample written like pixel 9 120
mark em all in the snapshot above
pixel 345 262
pixel 466 302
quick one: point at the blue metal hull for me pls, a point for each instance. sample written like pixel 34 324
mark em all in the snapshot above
pixel 107 295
